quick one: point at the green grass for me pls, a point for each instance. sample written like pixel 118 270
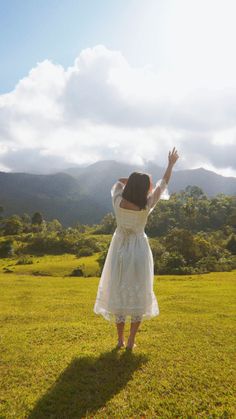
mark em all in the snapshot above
pixel 58 358
pixel 59 265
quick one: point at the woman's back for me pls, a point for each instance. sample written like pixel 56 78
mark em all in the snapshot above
pixel 130 218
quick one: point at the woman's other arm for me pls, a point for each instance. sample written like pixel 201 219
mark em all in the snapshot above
pixel 123 180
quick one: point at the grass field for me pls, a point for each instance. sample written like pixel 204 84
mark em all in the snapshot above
pixel 58 358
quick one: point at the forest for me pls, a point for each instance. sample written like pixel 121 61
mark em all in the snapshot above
pixel 188 234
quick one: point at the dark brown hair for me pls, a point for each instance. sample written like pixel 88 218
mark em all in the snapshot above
pixel 137 188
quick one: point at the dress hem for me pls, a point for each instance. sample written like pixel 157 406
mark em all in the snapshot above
pixel 127 317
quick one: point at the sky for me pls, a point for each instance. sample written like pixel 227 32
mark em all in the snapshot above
pixel 127 80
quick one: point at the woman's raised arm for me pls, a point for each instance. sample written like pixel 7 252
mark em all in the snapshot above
pixel 161 185
pixel 172 157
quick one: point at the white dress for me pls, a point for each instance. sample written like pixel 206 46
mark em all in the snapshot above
pixel 126 284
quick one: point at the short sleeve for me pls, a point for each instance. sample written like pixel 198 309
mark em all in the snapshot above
pixel 160 191
pixel 116 191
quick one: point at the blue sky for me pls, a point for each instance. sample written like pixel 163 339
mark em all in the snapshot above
pixel 82 81
pixel 32 30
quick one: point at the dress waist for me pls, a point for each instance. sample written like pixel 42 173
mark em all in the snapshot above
pixel 126 235
pixel 129 232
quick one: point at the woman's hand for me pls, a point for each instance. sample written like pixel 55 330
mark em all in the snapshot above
pixel 123 180
pixel 173 157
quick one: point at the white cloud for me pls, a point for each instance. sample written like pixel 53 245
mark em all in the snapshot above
pixel 102 108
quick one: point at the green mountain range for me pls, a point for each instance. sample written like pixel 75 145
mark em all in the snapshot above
pixel 82 194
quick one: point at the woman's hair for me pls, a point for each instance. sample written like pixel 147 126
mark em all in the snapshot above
pixel 137 188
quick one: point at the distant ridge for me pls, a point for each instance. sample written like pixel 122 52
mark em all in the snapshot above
pixel 82 194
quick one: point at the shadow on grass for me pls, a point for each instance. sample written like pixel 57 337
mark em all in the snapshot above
pixel 87 384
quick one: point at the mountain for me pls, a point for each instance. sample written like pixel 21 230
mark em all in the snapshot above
pixel 211 183
pixel 83 194
pixel 97 178
pixel 57 195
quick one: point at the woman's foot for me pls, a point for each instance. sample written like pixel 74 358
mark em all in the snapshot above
pixel 120 344
pixel 130 344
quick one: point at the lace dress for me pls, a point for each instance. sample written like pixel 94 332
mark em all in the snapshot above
pixel 125 290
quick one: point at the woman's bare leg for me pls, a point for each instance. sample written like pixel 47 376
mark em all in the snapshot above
pixel 120 325
pixel 134 325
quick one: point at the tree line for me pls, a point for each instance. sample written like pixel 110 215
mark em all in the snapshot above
pixel 190 233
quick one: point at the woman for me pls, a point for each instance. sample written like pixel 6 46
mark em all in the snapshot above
pixel 126 284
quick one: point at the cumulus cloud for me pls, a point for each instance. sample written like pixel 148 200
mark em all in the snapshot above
pixel 102 108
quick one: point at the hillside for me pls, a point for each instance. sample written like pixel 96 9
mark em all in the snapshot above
pixel 83 194
pixel 55 196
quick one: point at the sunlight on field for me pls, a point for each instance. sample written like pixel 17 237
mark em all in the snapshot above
pixel 58 357
pixel 53 265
